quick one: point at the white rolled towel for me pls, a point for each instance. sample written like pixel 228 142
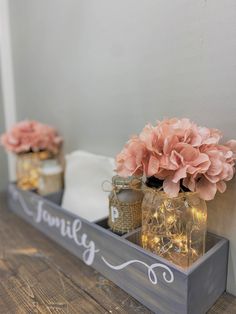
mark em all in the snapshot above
pixel 84 174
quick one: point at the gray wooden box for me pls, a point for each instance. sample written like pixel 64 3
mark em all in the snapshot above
pixel 158 284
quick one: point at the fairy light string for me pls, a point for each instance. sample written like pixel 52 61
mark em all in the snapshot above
pixel 174 228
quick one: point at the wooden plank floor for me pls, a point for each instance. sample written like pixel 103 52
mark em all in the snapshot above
pixel 38 276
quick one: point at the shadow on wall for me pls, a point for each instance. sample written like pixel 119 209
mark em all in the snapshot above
pixel 222 221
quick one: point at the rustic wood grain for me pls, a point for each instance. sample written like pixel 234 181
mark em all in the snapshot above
pixel 38 276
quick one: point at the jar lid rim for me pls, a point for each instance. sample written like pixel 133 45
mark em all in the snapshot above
pixel 163 194
pixel 127 182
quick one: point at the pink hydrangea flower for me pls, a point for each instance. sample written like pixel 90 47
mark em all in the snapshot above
pixel 178 151
pixel 29 136
pixel 132 159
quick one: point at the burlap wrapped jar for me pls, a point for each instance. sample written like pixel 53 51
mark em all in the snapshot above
pixel 125 202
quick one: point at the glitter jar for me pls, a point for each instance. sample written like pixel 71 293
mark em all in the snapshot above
pixel 27 169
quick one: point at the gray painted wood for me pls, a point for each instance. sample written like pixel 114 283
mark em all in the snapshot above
pixel 207 280
pixel 55 198
pixel 155 282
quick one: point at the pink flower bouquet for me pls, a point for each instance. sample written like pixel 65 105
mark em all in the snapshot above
pixel 31 136
pixel 179 152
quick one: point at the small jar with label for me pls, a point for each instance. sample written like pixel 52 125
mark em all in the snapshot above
pixel 51 177
pixel 125 202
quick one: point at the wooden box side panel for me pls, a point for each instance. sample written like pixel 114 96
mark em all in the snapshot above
pixel 207 281
pixel 155 284
pixel 161 288
pixel 56 198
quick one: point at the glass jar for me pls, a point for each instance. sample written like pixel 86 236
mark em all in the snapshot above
pixel 51 177
pixel 174 228
pixel 27 169
pixel 125 202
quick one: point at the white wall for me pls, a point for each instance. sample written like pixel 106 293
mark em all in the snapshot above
pixel 99 70
pixel 7 79
pixel 3 156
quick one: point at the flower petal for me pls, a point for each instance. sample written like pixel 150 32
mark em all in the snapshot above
pixel 206 189
pixel 180 174
pixel 153 166
pixel 221 186
pixel 171 188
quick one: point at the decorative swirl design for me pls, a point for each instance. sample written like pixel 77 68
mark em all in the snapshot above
pixel 90 246
pixel 151 272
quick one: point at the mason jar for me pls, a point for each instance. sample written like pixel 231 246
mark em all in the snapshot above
pixel 51 177
pixel 173 228
pixel 28 167
pixel 125 202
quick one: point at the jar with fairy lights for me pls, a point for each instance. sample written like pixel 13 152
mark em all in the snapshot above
pixel 174 228
pixel 185 165
pixel 28 168
pixel 32 142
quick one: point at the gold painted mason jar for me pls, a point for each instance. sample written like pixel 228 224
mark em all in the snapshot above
pixel 125 202
pixel 28 167
pixel 174 228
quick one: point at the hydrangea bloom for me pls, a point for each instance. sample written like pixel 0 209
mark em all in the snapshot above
pixel 29 136
pixel 177 150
